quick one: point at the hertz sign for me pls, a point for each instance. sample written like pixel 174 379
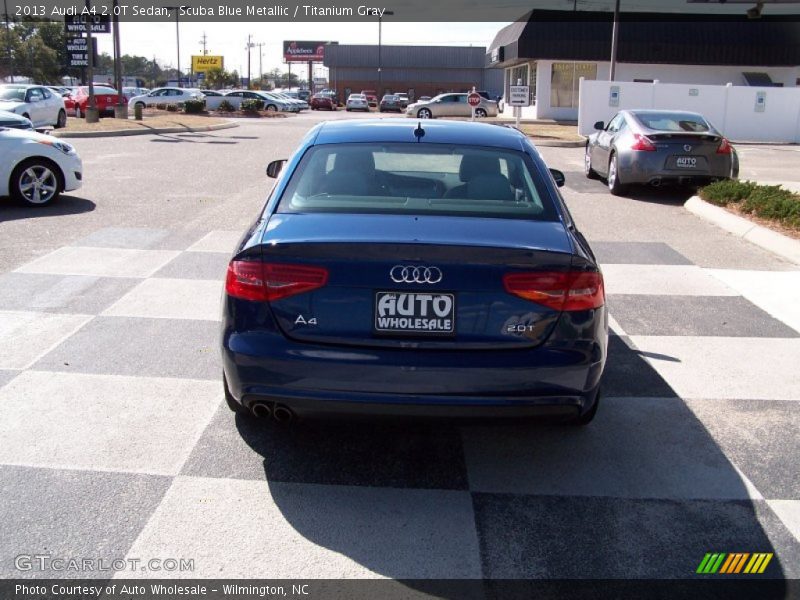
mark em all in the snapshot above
pixel 201 64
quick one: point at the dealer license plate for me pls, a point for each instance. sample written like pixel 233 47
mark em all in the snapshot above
pixel 414 313
pixel 686 162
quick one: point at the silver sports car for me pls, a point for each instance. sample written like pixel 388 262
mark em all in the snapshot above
pixel 658 146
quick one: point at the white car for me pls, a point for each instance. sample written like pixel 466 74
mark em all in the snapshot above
pixel 357 102
pixel 165 95
pixel 36 167
pixel 130 92
pixel 35 102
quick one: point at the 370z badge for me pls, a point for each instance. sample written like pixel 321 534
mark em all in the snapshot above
pixel 415 313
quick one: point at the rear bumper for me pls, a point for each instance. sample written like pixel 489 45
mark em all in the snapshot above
pixel 649 168
pixel 557 379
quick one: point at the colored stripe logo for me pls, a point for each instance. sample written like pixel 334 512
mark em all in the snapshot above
pixel 734 563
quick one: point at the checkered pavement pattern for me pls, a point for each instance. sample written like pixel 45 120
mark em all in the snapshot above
pixel 115 440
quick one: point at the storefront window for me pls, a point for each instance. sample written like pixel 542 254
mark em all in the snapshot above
pixel 565 81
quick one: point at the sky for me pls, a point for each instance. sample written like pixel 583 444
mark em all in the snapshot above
pixel 230 39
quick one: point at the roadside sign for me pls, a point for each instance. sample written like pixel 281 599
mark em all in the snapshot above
pixel 77 52
pixel 519 95
pixel 474 99
pixel 83 23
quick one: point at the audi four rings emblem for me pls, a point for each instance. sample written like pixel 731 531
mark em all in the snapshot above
pixel 407 274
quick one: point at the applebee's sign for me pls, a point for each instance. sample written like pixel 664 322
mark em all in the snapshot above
pixel 304 51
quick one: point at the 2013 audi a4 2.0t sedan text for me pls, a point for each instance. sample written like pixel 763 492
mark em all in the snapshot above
pixel 420 268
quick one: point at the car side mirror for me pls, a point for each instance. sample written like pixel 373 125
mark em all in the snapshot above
pixel 599 126
pixel 274 168
pixel 558 177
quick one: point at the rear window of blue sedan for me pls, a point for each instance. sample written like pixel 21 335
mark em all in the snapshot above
pixel 417 178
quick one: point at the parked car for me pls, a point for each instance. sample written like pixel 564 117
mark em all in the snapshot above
pixel 35 102
pixel 130 92
pixel 165 95
pixel 451 105
pixel 656 147
pixel 423 98
pixel 36 168
pixel 390 103
pixel 428 242
pixel 213 99
pixel 14 121
pixel 322 101
pixel 105 97
pixel 356 102
pixel 275 101
pixel 403 97
pixel 372 98
pixel 292 98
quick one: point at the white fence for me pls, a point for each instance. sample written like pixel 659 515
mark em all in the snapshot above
pixel 742 114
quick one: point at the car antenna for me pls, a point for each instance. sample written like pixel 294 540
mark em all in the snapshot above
pixel 419 132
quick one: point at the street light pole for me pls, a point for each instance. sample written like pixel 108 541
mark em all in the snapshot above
pixel 380 58
pixel 8 43
pixel 177 37
pixel 260 59
pixel 250 44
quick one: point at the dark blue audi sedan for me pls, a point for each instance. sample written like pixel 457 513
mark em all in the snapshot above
pixel 405 268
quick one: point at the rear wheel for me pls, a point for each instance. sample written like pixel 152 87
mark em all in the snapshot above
pixel 588 416
pixel 587 164
pixel 480 113
pixel 271 108
pixel 140 105
pixel 614 185
pixel 61 121
pixel 424 113
pixel 35 182
pixel 230 400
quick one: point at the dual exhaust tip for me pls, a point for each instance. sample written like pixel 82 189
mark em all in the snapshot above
pixel 279 412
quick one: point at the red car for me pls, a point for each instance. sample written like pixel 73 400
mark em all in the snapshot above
pixel 105 97
pixel 372 98
pixel 320 101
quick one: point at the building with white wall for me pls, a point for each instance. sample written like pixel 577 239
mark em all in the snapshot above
pixel 551 50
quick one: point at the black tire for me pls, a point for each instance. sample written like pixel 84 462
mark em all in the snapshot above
pixel 588 416
pixel 27 116
pixel 231 401
pixel 614 185
pixel 47 176
pixel 61 121
pixel 587 165
pixel 141 105
pixel 480 113
pixel 424 113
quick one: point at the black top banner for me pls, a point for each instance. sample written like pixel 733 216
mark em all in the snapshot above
pixel 363 10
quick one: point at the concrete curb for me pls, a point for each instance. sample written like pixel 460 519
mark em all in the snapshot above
pixel 145 131
pixel 558 143
pixel 767 239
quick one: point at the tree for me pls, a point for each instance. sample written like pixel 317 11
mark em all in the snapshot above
pixel 219 78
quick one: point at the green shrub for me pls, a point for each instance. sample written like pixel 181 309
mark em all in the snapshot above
pixel 252 105
pixel 726 191
pixel 172 108
pixel 225 106
pixel 161 106
pixel 770 202
pixel 194 106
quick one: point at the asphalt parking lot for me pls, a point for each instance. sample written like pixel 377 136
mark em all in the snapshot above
pixel 115 440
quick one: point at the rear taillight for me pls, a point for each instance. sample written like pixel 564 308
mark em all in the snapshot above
pixel 724 147
pixel 642 143
pixel 250 280
pixel 570 291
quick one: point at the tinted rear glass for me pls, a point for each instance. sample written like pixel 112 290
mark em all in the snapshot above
pixel 673 122
pixel 413 178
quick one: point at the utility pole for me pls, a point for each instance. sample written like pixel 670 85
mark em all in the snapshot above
pixel 250 44
pixel 380 72
pixel 92 114
pixel 8 43
pixel 203 44
pixel 260 46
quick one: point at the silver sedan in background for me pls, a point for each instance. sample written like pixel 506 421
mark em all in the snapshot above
pixel 658 146
pixel 451 105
